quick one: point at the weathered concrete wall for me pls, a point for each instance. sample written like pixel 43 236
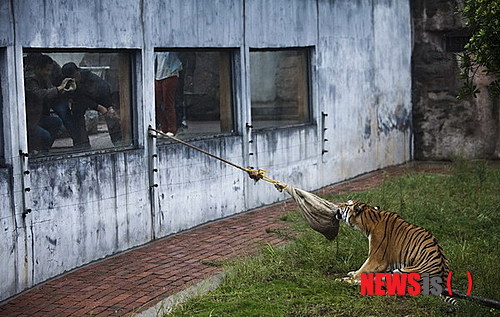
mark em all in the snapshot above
pixel 91 24
pixel 195 188
pixel 195 23
pixel 6 26
pixel 9 268
pixel 85 207
pixel 346 75
pixel 271 23
pixel 364 74
pixel 445 127
pixel 291 155
pixel 392 75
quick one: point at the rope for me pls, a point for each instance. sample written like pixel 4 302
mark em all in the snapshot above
pixel 255 174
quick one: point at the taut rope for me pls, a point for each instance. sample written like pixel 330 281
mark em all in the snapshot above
pixel 255 174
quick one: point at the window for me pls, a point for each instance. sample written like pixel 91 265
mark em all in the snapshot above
pixel 279 87
pixel 77 101
pixel 455 43
pixel 193 92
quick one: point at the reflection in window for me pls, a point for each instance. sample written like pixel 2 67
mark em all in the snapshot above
pixel 279 87
pixel 77 101
pixel 193 92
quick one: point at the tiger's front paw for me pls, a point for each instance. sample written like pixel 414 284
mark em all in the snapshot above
pixel 349 279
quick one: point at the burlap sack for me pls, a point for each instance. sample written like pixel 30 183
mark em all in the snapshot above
pixel 318 212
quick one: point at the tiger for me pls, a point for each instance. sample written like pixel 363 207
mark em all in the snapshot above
pixel 395 245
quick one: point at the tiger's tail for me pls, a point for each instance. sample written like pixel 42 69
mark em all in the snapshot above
pixel 492 303
pixel 449 300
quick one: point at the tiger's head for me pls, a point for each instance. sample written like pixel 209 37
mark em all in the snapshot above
pixel 353 213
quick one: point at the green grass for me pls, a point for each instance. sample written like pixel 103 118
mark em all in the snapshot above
pixel 461 209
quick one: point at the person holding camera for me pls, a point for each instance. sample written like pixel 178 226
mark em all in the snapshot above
pixel 94 93
pixel 41 95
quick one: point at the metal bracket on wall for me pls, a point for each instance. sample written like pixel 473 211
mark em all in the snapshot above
pixel 323 133
pixel 26 180
pixel 153 159
pixel 249 127
pixel 153 179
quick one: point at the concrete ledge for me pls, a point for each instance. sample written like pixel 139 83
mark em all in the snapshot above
pixel 166 305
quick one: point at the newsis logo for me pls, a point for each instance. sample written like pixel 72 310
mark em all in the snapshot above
pixel 407 284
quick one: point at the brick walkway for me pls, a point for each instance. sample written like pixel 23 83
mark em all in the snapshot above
pixel 138 279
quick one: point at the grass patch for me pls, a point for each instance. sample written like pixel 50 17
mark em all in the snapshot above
pixel 461 209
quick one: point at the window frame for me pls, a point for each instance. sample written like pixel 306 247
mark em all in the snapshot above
pixel 232 52
pixel 135 65
pixel 309 76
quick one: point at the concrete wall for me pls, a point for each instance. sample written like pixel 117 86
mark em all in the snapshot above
pixel 91 205
pixel 8 260
pixel 194 188
pixel 57 23
pixel 86 208
pixel 6 26
pixel 363 76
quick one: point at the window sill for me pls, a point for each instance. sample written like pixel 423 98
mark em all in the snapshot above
pixel 64 156
pixel 288 126
pixel 165 141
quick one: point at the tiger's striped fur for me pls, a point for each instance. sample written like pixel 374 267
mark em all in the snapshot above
pixel 395 245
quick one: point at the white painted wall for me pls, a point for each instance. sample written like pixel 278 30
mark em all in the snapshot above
pixel 85 207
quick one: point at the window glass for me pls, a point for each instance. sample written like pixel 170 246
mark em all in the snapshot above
pixel 193 95
pixel 77 101
pixel 279 87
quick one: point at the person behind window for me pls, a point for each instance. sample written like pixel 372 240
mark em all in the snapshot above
pixel 40 96
pixel 167 70
pixel 61 105
pixel 92 92
pixel 188 60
